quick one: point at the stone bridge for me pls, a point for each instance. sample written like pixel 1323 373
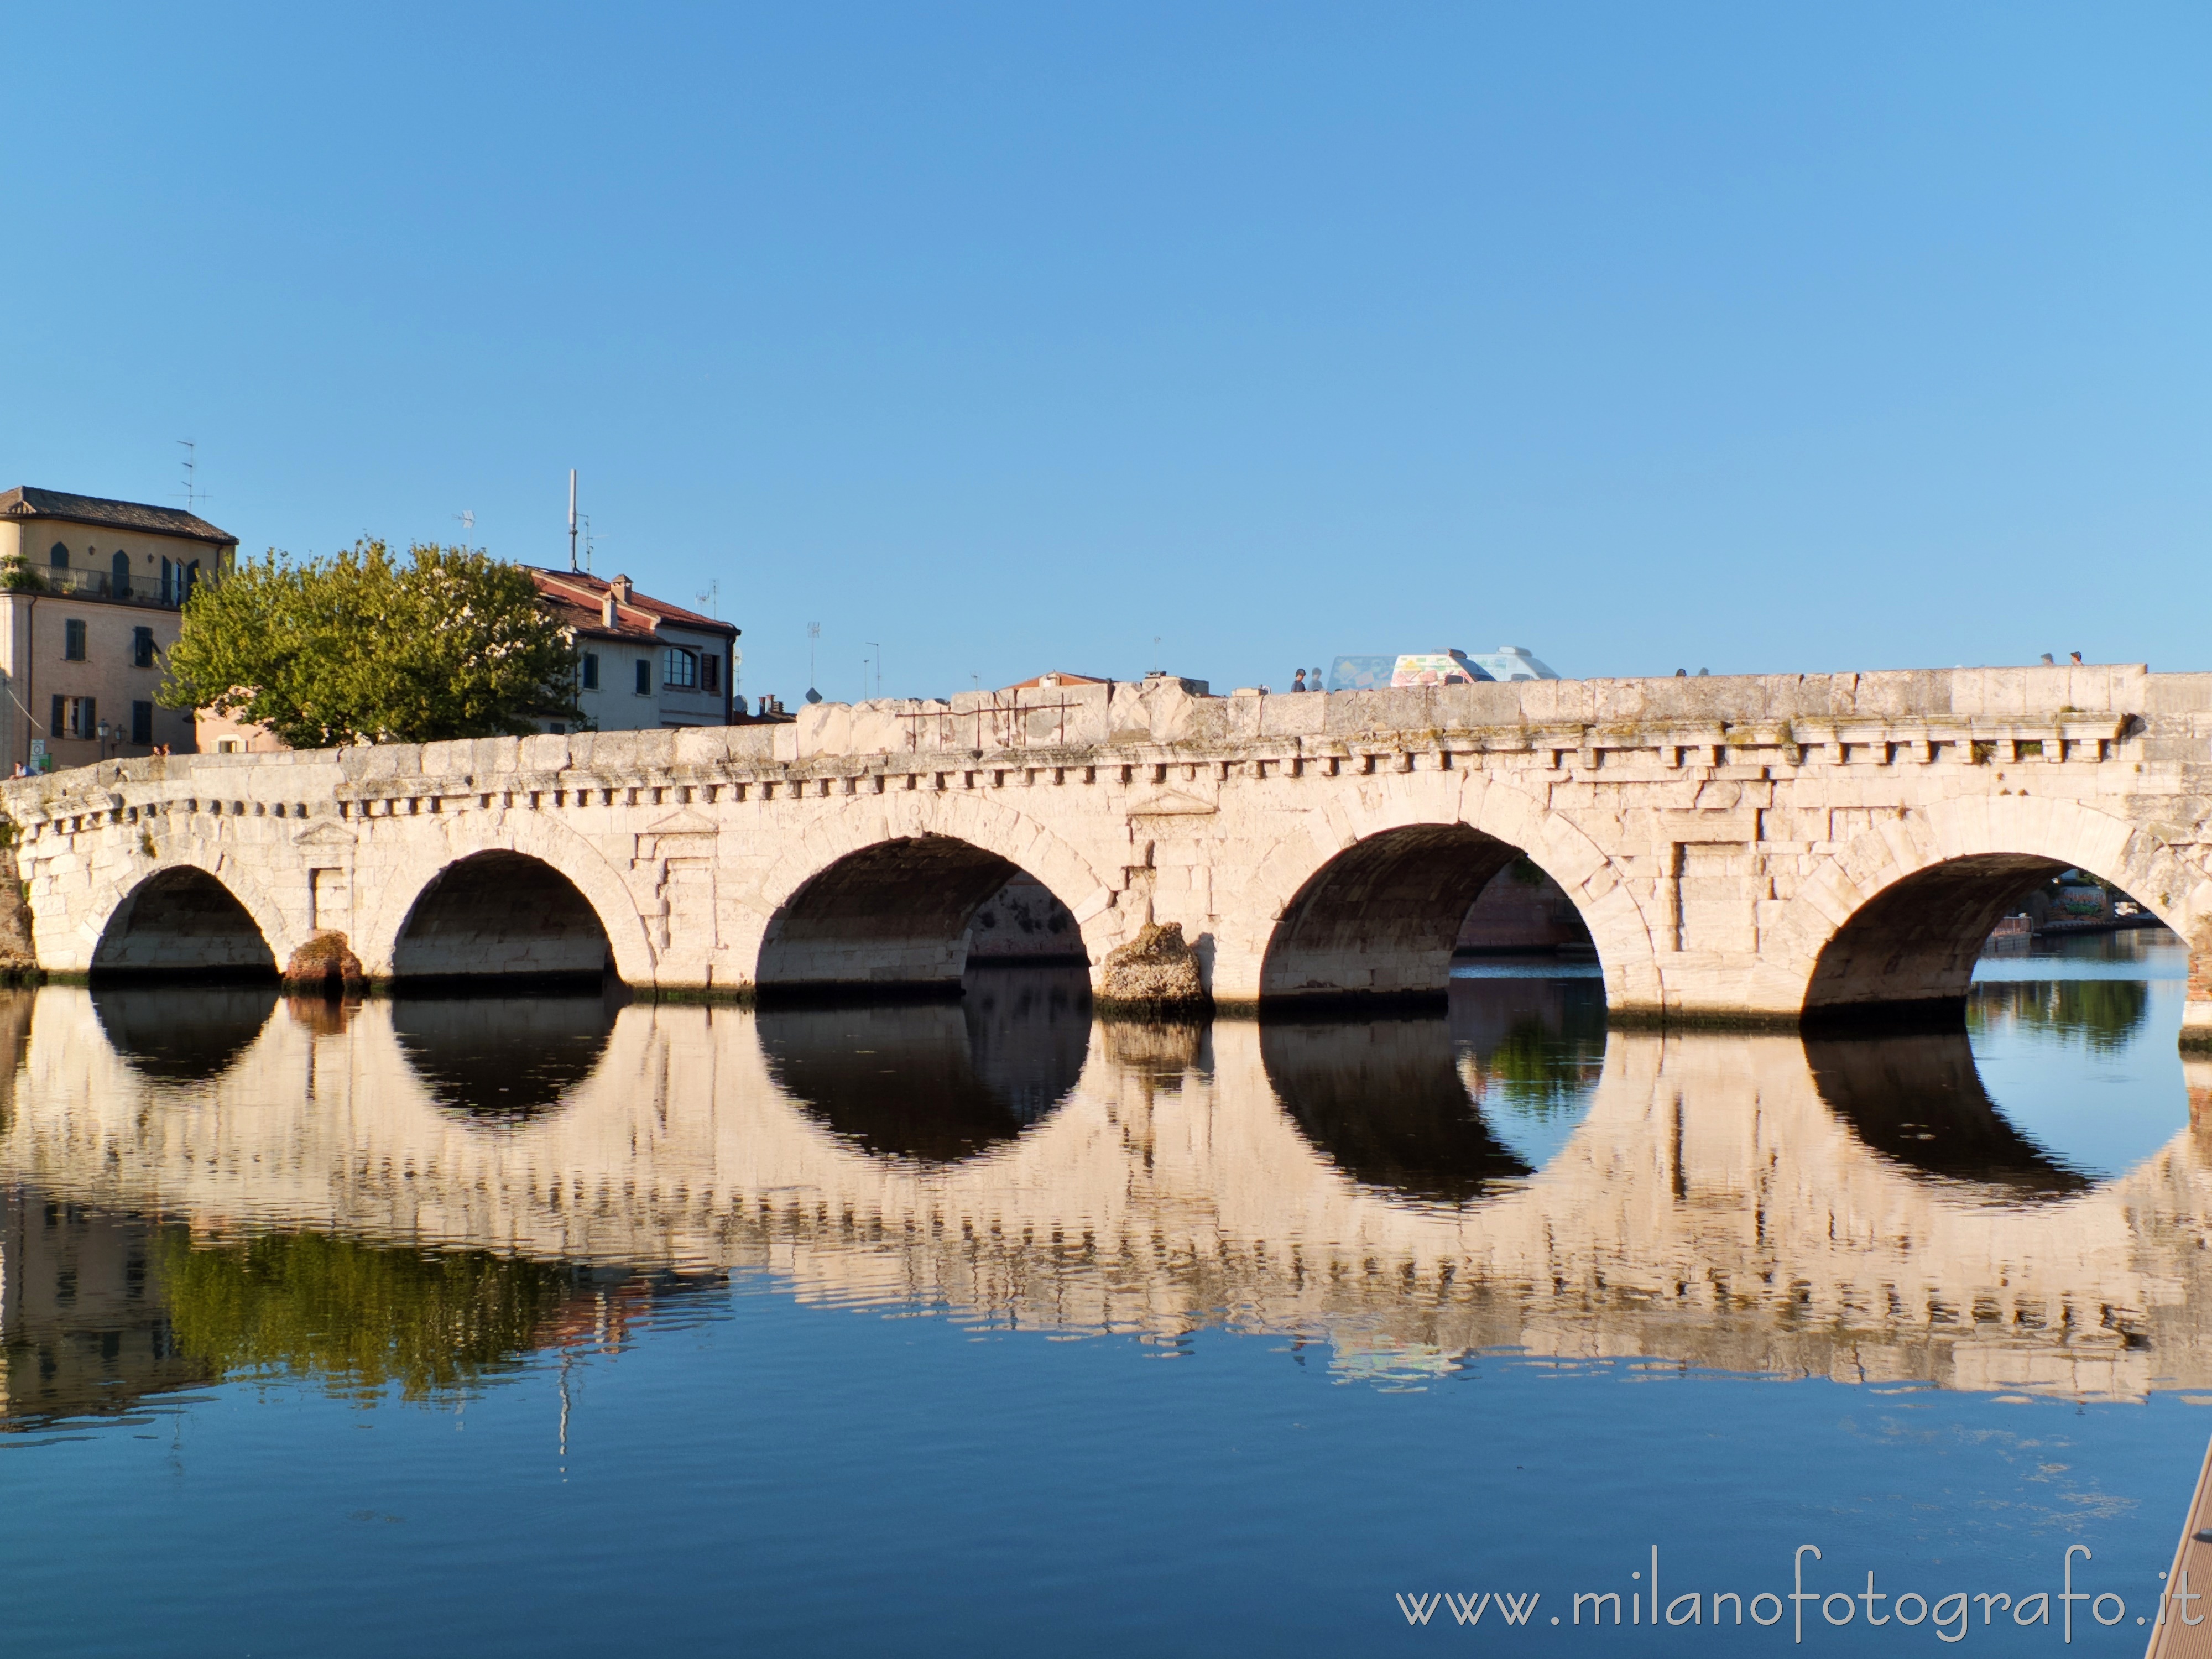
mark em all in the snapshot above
pixel 1749 849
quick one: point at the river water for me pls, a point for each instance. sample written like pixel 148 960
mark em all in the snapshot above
pixel 580 1326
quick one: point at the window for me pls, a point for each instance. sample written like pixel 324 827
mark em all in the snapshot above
pixel 73 639
pixel 142 723
pixel 75 717
pixel 168 581
pixel 57 557
pixel 591 674
pixel 680 670
pixel 710 673
pixel 142 648
pixel 230 745
pixel 120 586
pixel 644 678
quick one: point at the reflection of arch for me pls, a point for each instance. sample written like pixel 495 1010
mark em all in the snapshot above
pixel 1895 920
pixel 180 1033
pixel 1919 1101
pixel 503 1058
pixel 1383 1101
pixel 184 919
pixel 892 913
pixel 930 1081
pixel 1495 820
pixel 501 915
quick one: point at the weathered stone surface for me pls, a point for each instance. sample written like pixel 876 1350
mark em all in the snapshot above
pixel 1155 970
pixel 1739 848
pixel 324 962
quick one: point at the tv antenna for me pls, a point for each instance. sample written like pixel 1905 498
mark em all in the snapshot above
pixel 572 520
pixel 877 648
pixel 711 598
pixel 468 517
pixel 585 519
pixel 192 464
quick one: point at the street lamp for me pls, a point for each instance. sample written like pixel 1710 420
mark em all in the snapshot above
pixel 106 730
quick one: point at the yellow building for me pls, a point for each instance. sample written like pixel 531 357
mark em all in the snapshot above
pixel 89 594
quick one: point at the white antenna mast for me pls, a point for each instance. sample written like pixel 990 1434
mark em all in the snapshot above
pixel 572 520
pixel 191 471
pixel 468 517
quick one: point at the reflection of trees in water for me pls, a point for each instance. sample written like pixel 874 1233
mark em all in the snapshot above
pixel 1919 1100
pixel 503 1058
pixel 2104 1013
pixel 1530 1045
pixel 182 1034
pixel 936 1081
pixel 1382 1100
pixel 358 1318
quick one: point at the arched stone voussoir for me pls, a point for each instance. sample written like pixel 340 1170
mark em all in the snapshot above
pixel 1838 889
pixel 280 932
pixel 1599 887
pixel 421 860
pixel 1014 836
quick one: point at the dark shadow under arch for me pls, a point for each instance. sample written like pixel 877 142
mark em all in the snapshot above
pixel 182 922
pixel 934 1082
pixel 888 919
pixel 1906 956
pixel 1380 920
pixel 499 917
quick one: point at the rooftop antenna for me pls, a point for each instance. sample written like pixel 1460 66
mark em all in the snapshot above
pixel 711 598
pixel 468 517
pixel 192 473
pixel 877 648
pixel 572 520
pixel 585 519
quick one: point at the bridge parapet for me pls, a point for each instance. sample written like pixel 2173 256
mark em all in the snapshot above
pixel 1720 836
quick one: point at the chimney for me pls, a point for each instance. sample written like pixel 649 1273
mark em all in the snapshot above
pixel 607 610
pixel 621 586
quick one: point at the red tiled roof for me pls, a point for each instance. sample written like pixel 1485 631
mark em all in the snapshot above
pixel 1060 676
pixel 579 600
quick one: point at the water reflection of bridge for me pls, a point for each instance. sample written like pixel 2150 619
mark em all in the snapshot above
pixel 1755 1204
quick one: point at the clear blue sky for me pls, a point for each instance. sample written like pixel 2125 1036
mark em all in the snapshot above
pixel 1755 338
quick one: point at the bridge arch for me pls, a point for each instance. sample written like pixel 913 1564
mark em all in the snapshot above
pixel 884 900
pixel 1892 924
pixel 1369 902
pixel 488 886
pixel 185 917
pixel 501 915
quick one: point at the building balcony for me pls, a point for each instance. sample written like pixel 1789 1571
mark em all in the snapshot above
pixel 92 585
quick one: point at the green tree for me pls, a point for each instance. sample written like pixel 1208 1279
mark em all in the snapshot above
pixel 364 647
